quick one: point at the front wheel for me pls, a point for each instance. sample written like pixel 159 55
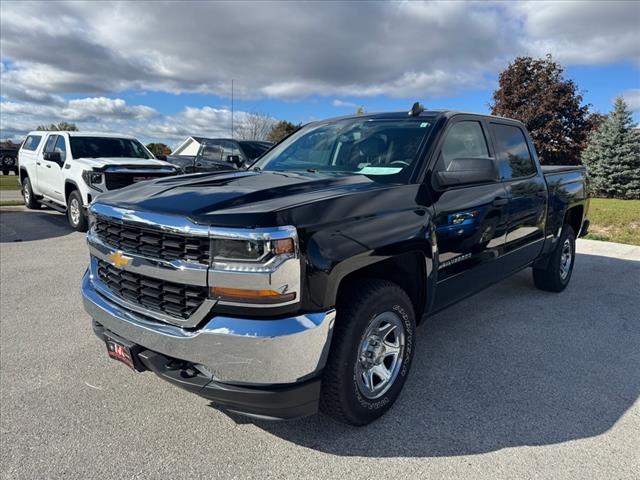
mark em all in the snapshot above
pixel 371 352
pixel 75 212
pixel 557 273
pixel 27 193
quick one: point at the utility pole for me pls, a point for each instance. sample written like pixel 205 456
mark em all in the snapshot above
pixel 232 137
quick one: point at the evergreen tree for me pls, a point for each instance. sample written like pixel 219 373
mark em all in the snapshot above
pixel 612 156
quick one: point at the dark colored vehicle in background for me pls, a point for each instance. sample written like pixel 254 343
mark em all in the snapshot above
pixel 297 285
pixel 221 154
pixel 9 160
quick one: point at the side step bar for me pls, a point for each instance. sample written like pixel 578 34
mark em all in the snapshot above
pixel 53 205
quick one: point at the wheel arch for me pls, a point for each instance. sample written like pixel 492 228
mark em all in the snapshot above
pixel 409 270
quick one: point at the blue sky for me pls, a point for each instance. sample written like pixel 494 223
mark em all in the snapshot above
pixel 162 70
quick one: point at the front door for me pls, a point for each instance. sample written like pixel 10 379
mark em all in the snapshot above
pixel 50 176
pixel 469 220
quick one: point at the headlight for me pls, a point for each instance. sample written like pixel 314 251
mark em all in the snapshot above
pixel 259 267
pixel 93 179
pixel 251 250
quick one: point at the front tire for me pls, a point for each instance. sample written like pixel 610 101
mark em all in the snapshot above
pixel 75 212
pixel 557 273
pixel 29 198
pixel 371 352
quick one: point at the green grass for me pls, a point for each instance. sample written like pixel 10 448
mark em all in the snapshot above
pixel 615 220
pixel 11 203
pixel 9 182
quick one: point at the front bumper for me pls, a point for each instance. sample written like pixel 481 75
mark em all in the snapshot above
pixel 239 353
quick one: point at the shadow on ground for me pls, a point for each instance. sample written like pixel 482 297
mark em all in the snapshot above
pixel 509 367
pixel 22 225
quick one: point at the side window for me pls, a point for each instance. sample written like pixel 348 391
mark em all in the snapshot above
pixel 512 151
pixel 464 140
pixel 51 142
pixel 32 142
pixel 211 151
pixel 61 148
pixel 230 148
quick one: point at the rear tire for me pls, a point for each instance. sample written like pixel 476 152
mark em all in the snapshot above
pixel 371 352
pixel 75 212
pixel 556 275
pixel 27 193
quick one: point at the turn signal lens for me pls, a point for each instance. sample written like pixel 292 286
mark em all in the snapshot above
pixel 242 295
pixel 283 246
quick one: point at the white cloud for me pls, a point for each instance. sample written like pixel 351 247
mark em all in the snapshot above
pixel 632 97
pixel 342 104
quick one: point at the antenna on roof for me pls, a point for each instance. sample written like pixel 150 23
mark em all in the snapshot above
pixel 232 109
pixel 416 109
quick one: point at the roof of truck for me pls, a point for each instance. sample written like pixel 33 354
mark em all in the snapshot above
pixel 83 134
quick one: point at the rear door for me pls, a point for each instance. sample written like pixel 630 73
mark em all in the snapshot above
pixel 527 192
pixel 470 219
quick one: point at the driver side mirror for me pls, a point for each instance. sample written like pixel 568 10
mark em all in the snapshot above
pixel 464 171
pixel 52 157
pixel 235 159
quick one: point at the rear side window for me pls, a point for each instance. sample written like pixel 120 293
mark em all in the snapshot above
pixel 512 152
pixel 464 140
pixel 51 141
pixel 32 142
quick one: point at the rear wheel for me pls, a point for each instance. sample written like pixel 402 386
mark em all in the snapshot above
pixel 27 193
pixel 556 275
pixel 75 212
pixel 371 352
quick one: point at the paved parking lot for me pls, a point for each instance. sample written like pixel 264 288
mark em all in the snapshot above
pixel 512 383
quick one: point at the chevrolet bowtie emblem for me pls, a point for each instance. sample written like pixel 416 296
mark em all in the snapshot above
pixel 119 260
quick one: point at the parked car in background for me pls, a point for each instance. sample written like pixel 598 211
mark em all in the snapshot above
pixel 297 284
pixel 68 170
pixel 9 159
pixel 221 154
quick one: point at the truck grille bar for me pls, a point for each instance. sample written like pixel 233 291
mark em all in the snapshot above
pixel 174 299
pixel 152 243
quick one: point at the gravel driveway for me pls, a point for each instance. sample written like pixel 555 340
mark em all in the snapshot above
pixel 511 383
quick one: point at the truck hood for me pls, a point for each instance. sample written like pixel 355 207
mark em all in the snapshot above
pixel 103 162
pixel 241 198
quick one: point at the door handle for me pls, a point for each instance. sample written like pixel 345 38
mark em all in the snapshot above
pixel 198 164
pixel 48 166
pixel 498 202
pixel 38 163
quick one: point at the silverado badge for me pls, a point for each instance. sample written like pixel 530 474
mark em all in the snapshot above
pixel 119 260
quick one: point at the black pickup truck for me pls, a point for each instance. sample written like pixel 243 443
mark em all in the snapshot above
pixel 297 284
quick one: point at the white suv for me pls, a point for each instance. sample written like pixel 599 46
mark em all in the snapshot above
pixel 68 170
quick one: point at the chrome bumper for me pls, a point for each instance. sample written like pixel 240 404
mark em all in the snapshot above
pixel 234 350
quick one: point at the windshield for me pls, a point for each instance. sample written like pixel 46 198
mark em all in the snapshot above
pixel 96 147
pixel 385 149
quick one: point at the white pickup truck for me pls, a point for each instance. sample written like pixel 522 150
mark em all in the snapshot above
pixel 68 170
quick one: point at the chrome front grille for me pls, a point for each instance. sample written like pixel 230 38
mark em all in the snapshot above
pixel 174 299
pixel 152 243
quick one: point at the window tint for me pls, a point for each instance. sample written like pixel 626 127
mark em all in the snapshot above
pixel 32 142
pixel 51 141
pixel 61 148
pixel 464 140
pixel 512 151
